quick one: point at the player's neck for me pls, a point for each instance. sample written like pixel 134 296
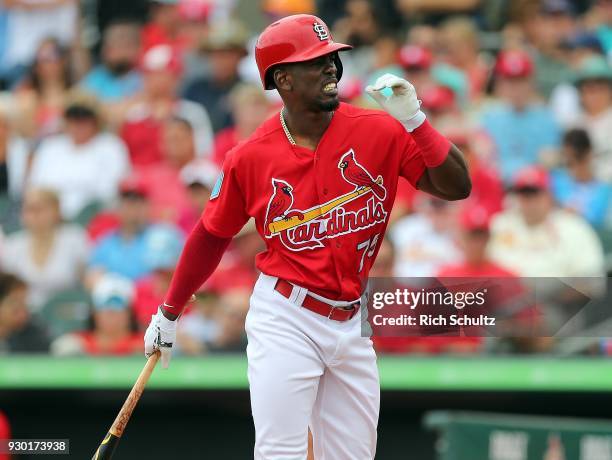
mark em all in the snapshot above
pixel 307 127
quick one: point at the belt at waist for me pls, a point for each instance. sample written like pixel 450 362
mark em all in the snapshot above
pixel 320 307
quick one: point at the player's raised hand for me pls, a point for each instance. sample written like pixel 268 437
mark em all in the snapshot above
pixel 402 104
pixel 160 335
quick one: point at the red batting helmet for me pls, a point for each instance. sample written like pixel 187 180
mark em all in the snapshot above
pixel 296 38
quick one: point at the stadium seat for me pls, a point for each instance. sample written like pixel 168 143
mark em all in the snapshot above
pixel 605 237
pixel 9 214
pixel 66 312
pixel 84 217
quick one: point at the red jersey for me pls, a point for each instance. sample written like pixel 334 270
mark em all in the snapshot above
pixel 322 213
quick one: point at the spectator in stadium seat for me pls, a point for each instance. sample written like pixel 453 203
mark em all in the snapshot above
pixel 112 329
pixel 30 23
pixel 385 50
pixel 552 22
pixel 199 325
pixel 116 78
pixel 425 240
pixel 199 178
pixel 507 297
pixel 14 157
pixel 86 163
pixel 416 61
pixel 487 187
pixel 47 254
pixel 164 26
pixel 359 25
pixel 142 129
pixel 575 186
pixel 110 11
pixel 225 47
pixel 413 341
pixel 123 251
pixel 538 239
pixel 196 27
pixel 459 46
pixel 40 97
pixel 565 100
pixel 215 323
pixel 232 310
pixel 594 83
pixel 440 104
pixel 428 11
pixel 19 333
pixel 250 107
pixel 164 245
pixel 169 202
pixel 522 128
pixel 474 222
pixel 602 12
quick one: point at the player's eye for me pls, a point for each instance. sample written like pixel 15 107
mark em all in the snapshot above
pixel 321 61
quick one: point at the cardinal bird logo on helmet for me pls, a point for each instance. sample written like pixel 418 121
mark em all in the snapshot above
pixel 357 175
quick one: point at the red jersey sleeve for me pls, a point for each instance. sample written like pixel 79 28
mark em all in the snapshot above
pixel 225 213
pixel 412 165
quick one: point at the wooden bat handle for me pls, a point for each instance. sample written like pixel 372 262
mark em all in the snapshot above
pixel 125 413
pixel 107 446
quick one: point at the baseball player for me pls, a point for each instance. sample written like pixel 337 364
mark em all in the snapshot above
pixel 319 178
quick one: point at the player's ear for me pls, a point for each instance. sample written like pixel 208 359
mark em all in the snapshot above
pixel 282 79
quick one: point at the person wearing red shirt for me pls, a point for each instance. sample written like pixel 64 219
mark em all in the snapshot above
pixel 416 61
pixel 319 178
pixel 169 202
pixel 250 108
pixel 507 298
pixel 143 127
pixel 487 185
pixel 475 235
pixel 164 26
pixel 199 179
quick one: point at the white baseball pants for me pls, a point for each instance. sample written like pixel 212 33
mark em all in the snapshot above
pixel 306 370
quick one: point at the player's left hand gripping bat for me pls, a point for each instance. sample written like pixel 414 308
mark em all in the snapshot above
pixel 109 443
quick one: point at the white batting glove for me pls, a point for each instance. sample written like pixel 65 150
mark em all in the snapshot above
pixel 402 104
pixel 160 335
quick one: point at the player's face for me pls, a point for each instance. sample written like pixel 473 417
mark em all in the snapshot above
pixel 316 83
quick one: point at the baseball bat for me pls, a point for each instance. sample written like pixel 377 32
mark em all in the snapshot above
pixel 109 443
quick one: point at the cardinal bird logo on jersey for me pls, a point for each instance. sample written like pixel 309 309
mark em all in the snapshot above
pixel 301 230
pixel 357 175
pixel 280 203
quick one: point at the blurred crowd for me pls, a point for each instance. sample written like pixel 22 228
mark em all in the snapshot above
pixel 115 118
